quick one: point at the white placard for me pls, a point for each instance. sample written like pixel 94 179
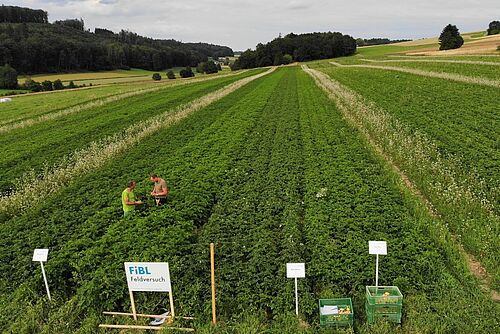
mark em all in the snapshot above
pixel 295 270
pixel 377 247
pixel 40 254
pixel 148 276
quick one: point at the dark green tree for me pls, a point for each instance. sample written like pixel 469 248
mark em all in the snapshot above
pixel 186 72
pixel 156 77
pixel 47 86
pixel 450 38
pixel 71 85
pixel 210 67
pixel 494 28
pixel 58 85
pixel 171 74
pixel 8 77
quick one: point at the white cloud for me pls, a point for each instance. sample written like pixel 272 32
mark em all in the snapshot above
pixel 243 24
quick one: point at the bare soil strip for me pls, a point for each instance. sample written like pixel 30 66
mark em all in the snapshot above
pixel 430 74
pixel 471 62
pixel 97 103
pixel 356 111
pixel 34 189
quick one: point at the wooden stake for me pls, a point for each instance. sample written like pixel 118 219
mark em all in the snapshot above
pixel 212 271
pixel 145 315
pixel 171 299
pixel 155 328
pixel 134 313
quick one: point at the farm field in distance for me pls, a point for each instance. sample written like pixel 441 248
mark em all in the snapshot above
pixel 299 163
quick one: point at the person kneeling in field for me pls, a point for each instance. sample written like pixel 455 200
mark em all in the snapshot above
pixel 128 199
pixel 160 190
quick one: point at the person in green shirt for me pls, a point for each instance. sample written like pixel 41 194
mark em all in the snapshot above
pixel 128 199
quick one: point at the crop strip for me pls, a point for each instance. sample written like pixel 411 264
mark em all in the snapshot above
pixel 390 138
pixel 97 103
pixel 430 74
pixel 100 152
pixel 470 62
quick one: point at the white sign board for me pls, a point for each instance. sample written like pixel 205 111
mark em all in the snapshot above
pixel 377 247
pixel 295 270
pixel 148 276
pixel 40 255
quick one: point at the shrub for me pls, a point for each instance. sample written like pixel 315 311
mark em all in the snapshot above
pixel 450 38
pixel 187 72
pixel 58 85
pixel 71 85
pixel 8 77
pixel 47 86
pixel 171 74
pixel 287 59
pixel 156 76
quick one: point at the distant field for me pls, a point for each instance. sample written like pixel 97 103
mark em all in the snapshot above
pixel 108 77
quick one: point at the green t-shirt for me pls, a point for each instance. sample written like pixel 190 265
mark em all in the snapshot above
pixel 131 198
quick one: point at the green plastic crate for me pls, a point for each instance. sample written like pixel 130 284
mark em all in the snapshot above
pixel 383 308
pixel 384 295
pixel 339 319
pixel 394 317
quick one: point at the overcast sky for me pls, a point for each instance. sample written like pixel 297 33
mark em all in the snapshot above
pixel 241 24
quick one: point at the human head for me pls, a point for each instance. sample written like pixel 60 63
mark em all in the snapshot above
pixel 154 178
pixel 131 184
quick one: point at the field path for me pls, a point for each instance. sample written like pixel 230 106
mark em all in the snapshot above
pixel 100 152
pixel 470 62
pixel 430 74
pixel 98 103
pixel 360 114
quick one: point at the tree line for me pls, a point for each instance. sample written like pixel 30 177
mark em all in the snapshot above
pixel 40 47
pixel 378 41
pixel 13 14
pixel 293 47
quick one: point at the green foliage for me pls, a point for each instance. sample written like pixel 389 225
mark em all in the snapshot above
pixel 156 76
pixel 170 74
pixel 450 38
pixel 14 14
pixel 8 77
pixel 65 46
pixel 302 47
pixel 47 86
pixel 186 72
pixel 494 28
pixel 77 24
pixel 71 85
pixel 58 85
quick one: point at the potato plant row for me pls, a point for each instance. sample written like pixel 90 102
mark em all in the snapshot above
pixel 46 144
pixel 462 122
pixel 89 240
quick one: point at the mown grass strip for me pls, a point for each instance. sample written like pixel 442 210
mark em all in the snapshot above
pixel 455 195
pixel 430 74
pixel 99 152
pixel 470 62
pixel 98 103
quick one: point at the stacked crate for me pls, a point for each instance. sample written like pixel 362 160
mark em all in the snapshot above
pixel 383 302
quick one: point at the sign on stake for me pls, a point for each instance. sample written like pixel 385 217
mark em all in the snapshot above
pixel 149 277
pixel 40 255
pixel 377 248
pixel 296 270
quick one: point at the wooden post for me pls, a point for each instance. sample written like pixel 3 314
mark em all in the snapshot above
pixel 212 271
pixel 132 302
pixel 171 299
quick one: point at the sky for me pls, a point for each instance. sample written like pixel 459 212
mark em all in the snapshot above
pixel 242 24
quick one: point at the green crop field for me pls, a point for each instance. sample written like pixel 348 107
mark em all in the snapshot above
pixel 294 164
